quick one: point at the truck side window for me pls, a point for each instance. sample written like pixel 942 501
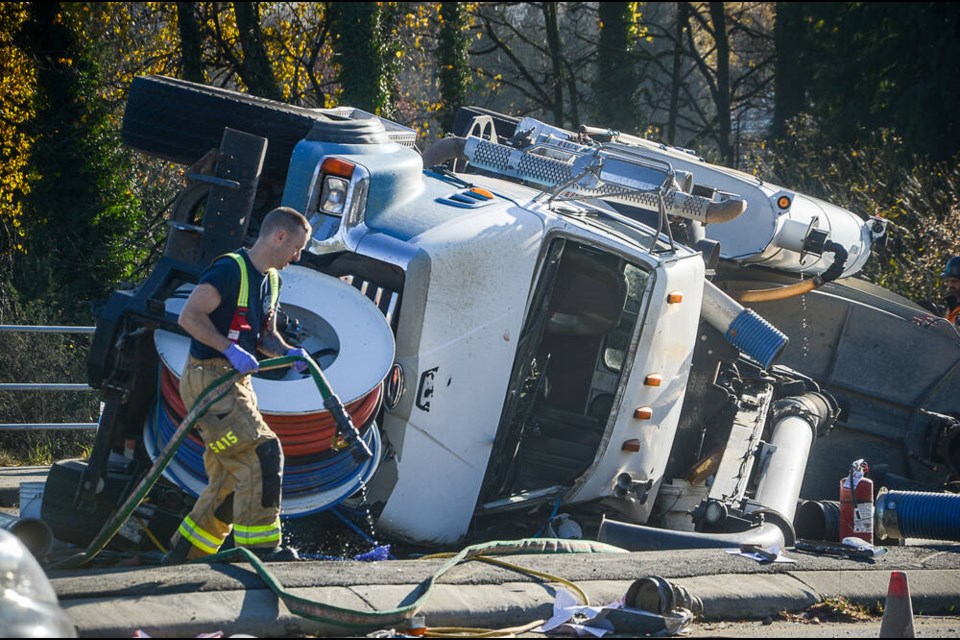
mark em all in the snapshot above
pixel 618 341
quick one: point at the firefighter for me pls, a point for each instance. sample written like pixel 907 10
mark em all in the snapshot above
pixel 951 278
pixel 230 315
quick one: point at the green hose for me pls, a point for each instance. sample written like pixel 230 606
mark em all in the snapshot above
pixel 371 620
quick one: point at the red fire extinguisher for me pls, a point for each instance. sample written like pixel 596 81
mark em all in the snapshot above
pixel 856 503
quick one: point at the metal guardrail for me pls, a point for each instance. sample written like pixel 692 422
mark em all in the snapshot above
pixel 48 426
pixel 46 329
pixel 43 386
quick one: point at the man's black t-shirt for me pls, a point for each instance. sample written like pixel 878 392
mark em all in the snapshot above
pixel 224 276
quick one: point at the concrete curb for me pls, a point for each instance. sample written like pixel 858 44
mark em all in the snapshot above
pixel 257 611
pixel 933 591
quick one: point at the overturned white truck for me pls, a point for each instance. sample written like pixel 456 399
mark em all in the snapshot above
pixel 521 322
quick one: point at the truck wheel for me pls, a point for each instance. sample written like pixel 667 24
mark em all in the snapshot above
pixel 180 121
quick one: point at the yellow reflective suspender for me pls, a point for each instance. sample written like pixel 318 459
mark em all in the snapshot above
pixel 239 322
pixel 243 298
pixel 274 278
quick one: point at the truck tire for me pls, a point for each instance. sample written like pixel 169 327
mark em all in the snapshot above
pixel 180 121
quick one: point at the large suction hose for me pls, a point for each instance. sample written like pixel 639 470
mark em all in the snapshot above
pixel 918 514
pixel 743 328
pixel 450 148
pixel 833 272
pixel 35 534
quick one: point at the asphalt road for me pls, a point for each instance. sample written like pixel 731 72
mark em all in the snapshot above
pixel 924 626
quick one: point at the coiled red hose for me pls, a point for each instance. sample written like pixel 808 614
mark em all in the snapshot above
pixel 300 434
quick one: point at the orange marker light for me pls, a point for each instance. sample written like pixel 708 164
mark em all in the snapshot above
pixel 632 445
pixel 338 167
pixel 483 192
pixel 653 380
pixel 674 297
pixel 643 413
pixel 783 202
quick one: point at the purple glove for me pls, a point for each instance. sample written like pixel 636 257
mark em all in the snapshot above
pixel 299 366
pixel 241 360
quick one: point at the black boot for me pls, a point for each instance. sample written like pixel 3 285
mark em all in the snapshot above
pixel 178 553
pixel 276 554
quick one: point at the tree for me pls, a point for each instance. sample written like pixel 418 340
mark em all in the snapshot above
pixel 681 23
pixel 616 81
pixel 709 74
pixel 452 58
pixel 254 68
pixel 190 41
pixel 79 212
pixel 790 74
pixel 555 55
pixel 536 58
pixel 885 65
pixel 16 88
pixel 364 73
pixel 720 82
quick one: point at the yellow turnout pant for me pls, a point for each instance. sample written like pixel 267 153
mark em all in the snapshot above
pixel 244 465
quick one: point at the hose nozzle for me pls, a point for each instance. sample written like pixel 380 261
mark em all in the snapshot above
pixel 358 448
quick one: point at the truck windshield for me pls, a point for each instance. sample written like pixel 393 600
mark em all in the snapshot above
pixel 581 322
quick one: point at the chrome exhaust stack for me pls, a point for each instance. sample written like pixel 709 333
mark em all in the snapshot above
pixel 797 421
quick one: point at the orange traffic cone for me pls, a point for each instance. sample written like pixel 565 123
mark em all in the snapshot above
pixel 898 611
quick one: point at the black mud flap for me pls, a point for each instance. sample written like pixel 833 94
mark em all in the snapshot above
pixel 79 523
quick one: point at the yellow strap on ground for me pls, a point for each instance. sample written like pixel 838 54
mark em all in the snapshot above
pixel 469 632
pixel 149 534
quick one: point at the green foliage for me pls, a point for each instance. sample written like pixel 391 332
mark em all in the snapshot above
pixel 254 68
pixel 616 79
pixel 453 60
pixel 16 89
pixel 878 176
pixel 885 65
pixel 362 51
pixel 80 214
pixel 879 80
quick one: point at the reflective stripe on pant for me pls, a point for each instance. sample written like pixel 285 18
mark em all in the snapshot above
pixel 257 536
pixel 244 465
